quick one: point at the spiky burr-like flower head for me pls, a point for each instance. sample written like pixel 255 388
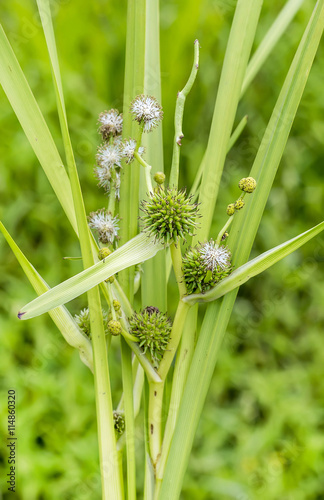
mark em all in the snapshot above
pixel 247 184
pixel 128 150
pixel 205 265
pixel 147 111
pixel 105 224
pixel 83 321
pixel 110 123
pixel 119 421
pixel 153 329
pixel 169 215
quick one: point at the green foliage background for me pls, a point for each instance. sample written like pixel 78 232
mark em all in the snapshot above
pixel 261 433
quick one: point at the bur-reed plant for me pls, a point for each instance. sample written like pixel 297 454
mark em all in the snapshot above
pixel 152 222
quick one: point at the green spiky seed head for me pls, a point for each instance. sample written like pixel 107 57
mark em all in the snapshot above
pixel 230 209
pixel 153 330
pixel 247 184
pixel 103 253
pixel 159 177
pixel 169 215
pixel 205 265
pixel 114 327
pixel 119 421
pixel 239 204
pixel 83 321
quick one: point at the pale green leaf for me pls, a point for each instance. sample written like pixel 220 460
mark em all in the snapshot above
pixel 60 315
pixel 137 250
pixel 32 121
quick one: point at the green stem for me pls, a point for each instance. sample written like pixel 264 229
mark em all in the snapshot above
pixel 177 267
pixel 181 370
pixel 181 98
pixel 112 195
pixel 177 327
pixel 147 171
pixel 127 377
pixel 155 405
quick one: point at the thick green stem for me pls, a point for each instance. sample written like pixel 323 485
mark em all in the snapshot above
pixel 177 267
pixel 127 376
pixel 148 169
pixel 155 406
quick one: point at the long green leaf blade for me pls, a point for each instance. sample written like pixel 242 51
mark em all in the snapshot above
pixel 32 121
pixel 255 267
pixel 236 58
pixel 133 252
pixel 218 314
pixel 60 315
pixel 270 40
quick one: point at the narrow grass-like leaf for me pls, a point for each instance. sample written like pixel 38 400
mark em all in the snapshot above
pixel 153 278
pixel 270 40
pixel 255 267
pixel 32 121
pixel 61 316
pixel 133 252
pixel 218 312
pixel 133 86
pixel 236 58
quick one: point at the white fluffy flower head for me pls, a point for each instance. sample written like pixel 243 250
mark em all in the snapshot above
pixel 111 123
pixel 109 156
pixel 106 225
pixel 215 257
pixel 146 110
pixel 128 150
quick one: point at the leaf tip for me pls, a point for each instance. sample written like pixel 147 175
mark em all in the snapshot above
pixel 20 315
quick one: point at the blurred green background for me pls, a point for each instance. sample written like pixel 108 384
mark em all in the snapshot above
pixel 261 433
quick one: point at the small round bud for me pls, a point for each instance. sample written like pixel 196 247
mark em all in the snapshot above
pixel 111 279
pixel 103 253
pixel 114 327
pixel 230 209
pixel 119 422
pixel 247 184
pixel 116 305
pixel 239 204
pixel 159 177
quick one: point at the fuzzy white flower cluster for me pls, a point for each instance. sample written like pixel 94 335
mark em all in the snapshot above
pixel 147 111
pixel 215 257
pixel 106 225
pixel 128 150
pixel 111 123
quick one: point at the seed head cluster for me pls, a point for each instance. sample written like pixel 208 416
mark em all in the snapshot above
pixel 119 421
pixel 153 330
pixel 169 215
pixel 205 265
pixel 83 321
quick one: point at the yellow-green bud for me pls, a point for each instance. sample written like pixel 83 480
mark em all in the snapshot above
pixel 159 177
pixel 247 184
pixel 116 305
pixel 239 204
pixel 103 253
pixel 111 279
pixel 230 209
pixel 114 327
